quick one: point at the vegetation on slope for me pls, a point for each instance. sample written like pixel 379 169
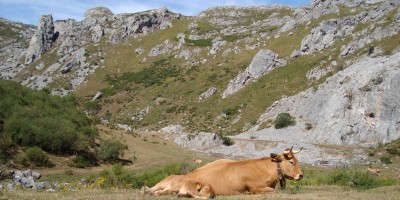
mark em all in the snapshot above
pixel 36 121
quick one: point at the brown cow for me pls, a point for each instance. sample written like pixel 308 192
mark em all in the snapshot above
pixel 184 186
pixel 217 162
pixel 253 176
pixel 374 171
pixel 197 161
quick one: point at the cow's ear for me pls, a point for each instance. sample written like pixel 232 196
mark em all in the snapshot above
pixel 275 158
pixel 198 186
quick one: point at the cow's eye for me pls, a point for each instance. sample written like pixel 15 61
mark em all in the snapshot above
pixel 291 162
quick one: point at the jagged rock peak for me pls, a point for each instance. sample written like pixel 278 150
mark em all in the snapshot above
pixel 98 12
pixel 42 40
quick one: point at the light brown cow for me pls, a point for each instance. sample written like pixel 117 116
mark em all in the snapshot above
pixel 217 162
pixel 374 171
pixel 197 161
pixel 183 186
pixel 229 177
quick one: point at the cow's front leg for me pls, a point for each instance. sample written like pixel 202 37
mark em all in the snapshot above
pixel 190 194
pixel 163 192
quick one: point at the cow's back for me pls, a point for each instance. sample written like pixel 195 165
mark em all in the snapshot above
pixel 216 162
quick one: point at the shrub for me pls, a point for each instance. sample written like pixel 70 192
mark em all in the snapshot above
pixel 308 126
pixel 38 157
pixel 371 50
pixel 117 177
pixel 227 141
pixel 393 151
pixel 284 120
pixel 231 111
pixel 385 160
pixel 81 161
pixel 93 107
pixel 110 150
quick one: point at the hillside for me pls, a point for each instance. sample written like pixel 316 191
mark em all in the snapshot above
pixel 332 65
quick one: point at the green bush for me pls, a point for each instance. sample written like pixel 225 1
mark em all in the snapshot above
pixel 110 150
pixel 284 120
pixel 385 160
pixel 81 161
pixel 93 107
pixel 38 157
pixel 35 118
pixel 227 141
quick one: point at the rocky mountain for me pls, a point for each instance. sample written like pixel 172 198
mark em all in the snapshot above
pixel 14 41
pixel 333 65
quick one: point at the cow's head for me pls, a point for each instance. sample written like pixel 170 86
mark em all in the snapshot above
pixel 289 164
pixel 205 190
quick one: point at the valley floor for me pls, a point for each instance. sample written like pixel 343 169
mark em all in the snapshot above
pixel 308 192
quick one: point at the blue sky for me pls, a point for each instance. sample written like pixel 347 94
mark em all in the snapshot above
pixel 29 11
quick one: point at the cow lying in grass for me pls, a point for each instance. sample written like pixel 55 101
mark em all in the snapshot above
pixel 374 171
pixel 183 186
pixel 257 176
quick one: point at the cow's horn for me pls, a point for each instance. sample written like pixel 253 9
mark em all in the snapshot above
pixel 287 151
pixel 294 152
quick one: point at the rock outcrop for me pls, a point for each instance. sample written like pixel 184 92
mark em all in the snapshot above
pixel 42 40
pixel 70 39
pixel 357 106
pixel 208 93
pixel 264 61
pixel 13 44
pixel 328 32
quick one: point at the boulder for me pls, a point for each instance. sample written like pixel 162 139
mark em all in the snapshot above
pixel 328 32
pixel 172 129
pixel 98 95
pixel 264 62
pixel 98 12
pixel 208 93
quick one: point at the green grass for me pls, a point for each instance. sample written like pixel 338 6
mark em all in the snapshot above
pixel 354 177
pixel 7 30
pixel 234 38
pixel 199 43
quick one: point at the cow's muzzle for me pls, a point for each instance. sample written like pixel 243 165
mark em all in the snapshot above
pixel 299 177
pixel 212 196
